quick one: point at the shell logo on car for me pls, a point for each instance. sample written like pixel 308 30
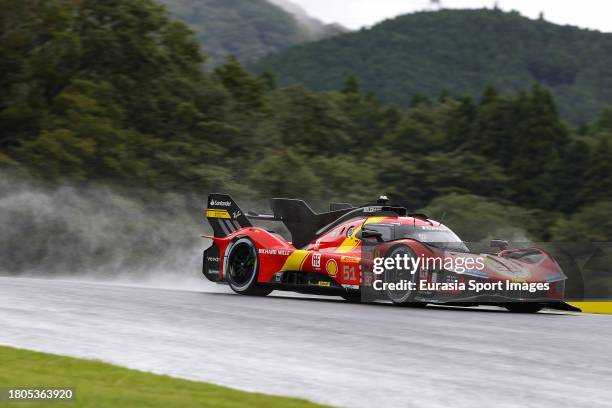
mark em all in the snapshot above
pixel 331 267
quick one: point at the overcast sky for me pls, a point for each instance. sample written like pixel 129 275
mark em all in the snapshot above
pixel 594 14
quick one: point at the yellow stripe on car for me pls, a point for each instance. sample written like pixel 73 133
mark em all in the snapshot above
pixel 212 213
pixel 295 261
pixel 352 242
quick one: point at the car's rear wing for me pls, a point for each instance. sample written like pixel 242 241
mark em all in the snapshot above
pixel 225 217
pixel 301 221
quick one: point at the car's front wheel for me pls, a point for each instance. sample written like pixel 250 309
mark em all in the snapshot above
pixel 243 268
pixel 404 294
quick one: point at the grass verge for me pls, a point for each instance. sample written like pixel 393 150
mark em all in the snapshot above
pixel 99 384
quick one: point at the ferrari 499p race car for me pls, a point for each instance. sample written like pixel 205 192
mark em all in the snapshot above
pixel 341 253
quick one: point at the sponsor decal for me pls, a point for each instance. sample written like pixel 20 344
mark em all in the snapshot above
pixel 332 268
pixel 324 283
pixel 317 244
pixel 211 213
pixel 371 209
pixel 432 228
pixel 350 259
pixel 283 252
pixel 214 202
pixel 316 261
pixel 237 214
pixel 212 258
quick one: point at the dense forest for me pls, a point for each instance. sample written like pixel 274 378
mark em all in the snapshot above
pixel 247 29
pixel 458 51
pixel 92 92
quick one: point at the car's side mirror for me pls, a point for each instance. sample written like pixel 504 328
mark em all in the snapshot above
pixel 500 244
pixel 367 233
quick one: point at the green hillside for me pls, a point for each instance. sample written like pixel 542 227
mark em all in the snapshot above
pixel 247 29
pixel 459 51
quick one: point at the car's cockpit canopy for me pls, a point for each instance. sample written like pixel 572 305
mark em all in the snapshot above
pixel 438 236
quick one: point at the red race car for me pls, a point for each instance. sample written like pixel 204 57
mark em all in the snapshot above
pixel 371 253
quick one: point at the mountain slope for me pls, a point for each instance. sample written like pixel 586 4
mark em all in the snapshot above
pixel 315 27
pixel 458 51
pixel 247 29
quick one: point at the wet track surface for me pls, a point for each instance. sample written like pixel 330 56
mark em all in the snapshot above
pixel 324 350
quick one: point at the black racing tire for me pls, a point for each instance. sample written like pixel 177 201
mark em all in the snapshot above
pixel 398 297
pixel 523 307
pixel 243 268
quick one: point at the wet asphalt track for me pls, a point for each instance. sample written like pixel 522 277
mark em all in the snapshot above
pixel 325 350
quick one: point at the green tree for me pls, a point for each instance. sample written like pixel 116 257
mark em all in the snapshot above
pixel 476 218
pixel 310 120
pixel 351 86
pixel 592 223
pixel 571 175
pixel 286 173
pixel 597 183
pixel 537 147
pixel 247 91
pixel 604 121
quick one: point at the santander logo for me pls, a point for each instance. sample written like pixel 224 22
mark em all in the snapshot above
pixel 220 203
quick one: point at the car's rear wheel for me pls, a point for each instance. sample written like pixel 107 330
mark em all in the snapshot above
pixel 406 295
pixel 243 268
pixel 523 307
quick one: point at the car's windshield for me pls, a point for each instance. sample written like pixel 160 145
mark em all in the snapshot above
pixel 439 237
